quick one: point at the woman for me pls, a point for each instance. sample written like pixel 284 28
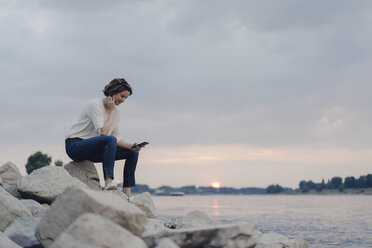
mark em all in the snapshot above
pixel 95 136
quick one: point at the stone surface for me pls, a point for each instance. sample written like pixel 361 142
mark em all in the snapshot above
pixel 275 240
pixel 144 202
pixel 9 173
pixel 198 219
pixel 1 182
pixel 91 230
pixel 5 242
pixel 75 202
pixel 86 172
pixel 46 184
pixel 237 236
pixel 166 243
pixel 33 206
pixel 155 226
pixel 22 231
pixel 10 209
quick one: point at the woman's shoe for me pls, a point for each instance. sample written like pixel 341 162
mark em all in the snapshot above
pixel 111 186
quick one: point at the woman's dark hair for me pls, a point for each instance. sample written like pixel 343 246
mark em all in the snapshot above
pixel 117 85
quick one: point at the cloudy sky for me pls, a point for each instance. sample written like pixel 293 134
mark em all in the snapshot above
pixel 247 93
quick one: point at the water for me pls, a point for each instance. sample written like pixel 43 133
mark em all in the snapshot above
pixel 324 221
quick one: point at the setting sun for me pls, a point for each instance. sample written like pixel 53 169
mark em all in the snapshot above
pixel 216 185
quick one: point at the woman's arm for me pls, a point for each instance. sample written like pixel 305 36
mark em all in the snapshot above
pixel 126 145
pixel 111 109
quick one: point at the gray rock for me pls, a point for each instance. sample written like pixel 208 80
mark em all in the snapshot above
pixel 275 240
pixel 12 189
pixel 232 236
pixel 9 173
pixel 22 231
pixel 91 230
pixel 33 206
pixel 10 209
pixel 75 202
pixel 47 183
pixel 155 226
pixel 144 202
pixel 1 182
pixel 86 172
pixel 5 242
pixel 198 219
pixel 119 193
pixel 166 243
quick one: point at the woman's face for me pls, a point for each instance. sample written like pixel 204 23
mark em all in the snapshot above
pixel 120 97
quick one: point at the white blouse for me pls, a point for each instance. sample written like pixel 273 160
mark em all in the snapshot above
pixel 91 121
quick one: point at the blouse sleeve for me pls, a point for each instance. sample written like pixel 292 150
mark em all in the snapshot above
pixel 116 131
pixel 97 116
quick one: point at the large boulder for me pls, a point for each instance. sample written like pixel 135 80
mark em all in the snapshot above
pixel 144 202
pixel 238 236
pixel 75 202
pixel 22 232
pixel 91 230
pixel 46 184
pixel 10 174
pixel 155 226
pixel 5 242
pixel 198 219
pixel 275 240
pixel 10 209
pixel 86 172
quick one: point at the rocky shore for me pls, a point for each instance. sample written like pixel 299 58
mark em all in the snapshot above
pixel 64 207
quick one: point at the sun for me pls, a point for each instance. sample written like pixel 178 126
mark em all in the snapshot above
pixel 216 185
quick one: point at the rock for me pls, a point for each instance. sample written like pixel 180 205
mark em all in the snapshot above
pixel 12 189
pixel 198 219
pixel 172 222
pixel 75 202
pixel 144 202
pixel 47 183
pixel 5 242
pixel 22 231
pixel 91 230
pixel 275 240
pixel 237 236
pixel 1 182
pixel 166 243
pixel 9 175
pixel 10 209
pixel 119 193
pixel 86 172
pixel 155 226
pixel 33 206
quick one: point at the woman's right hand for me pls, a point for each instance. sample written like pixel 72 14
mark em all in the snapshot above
pixel 110 104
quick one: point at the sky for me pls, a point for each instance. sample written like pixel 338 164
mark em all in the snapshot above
pixel 246 93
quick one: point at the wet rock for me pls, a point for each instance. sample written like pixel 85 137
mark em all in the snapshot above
pixel 198 219
pixel 5 242
pixel 75 202
pixel 91 230
pixel 22 232
pixel 237 236
pixel 86 172
pixel 10 209
pixel 33 206
pixel 144 202
pixel 46 184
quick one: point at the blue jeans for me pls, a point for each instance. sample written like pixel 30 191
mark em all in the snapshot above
pixel 104 149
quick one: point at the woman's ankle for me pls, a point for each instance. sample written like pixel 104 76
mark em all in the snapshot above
pixel 127 191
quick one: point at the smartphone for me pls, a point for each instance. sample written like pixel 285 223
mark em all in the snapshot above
pixel 141 144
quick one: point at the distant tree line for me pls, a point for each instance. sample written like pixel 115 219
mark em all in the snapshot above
pixel 337 183
pixel 39 160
